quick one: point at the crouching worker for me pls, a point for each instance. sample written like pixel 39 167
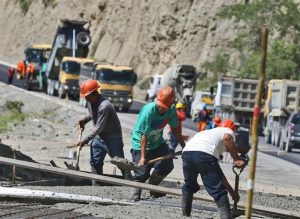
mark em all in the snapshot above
pixel 148 142
pixel 200 156
pixel 106 136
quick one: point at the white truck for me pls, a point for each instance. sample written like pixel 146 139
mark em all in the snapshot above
pixel 155 85
pixel 282 100
pixel 183 79
pixel 235 100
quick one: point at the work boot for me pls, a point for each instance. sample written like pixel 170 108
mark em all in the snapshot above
pixel 186 204
pixel 224 207
pixel 156 179
pixel 98 171
pixel 136 194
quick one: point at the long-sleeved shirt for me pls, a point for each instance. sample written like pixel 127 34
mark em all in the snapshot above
pixel 105 120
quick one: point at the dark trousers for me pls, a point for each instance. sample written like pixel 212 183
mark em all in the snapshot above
pixel 195 163
pixel 162 168
pixel 99 148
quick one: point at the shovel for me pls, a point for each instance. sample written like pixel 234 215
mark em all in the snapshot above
pixel 125 164
pixel 76 167
pixel 236 212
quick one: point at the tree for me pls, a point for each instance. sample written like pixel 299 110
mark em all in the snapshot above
pixel 281 17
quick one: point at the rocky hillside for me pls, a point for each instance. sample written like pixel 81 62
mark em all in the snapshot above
pixel 148 35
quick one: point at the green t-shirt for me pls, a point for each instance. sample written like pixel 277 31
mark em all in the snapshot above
pixel 151 124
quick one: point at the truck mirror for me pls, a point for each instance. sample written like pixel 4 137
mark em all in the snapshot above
pixel 134 79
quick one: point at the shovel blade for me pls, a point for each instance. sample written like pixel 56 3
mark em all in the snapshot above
pixel 237 212
pixel 124 164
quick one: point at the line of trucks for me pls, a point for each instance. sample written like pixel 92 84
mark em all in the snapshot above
pixel 235 99
pixel 59 69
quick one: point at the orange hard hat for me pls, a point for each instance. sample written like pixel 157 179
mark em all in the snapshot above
pixel 217 120
pixel 166 97
pixel 88 86
pixel 229 124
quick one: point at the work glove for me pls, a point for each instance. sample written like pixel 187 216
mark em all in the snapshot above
pixel 240 164
pixel 81 125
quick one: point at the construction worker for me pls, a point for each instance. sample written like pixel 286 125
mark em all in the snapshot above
pixel 181 116
pixel 200 156
pixel 10 74
pixel 106 136
pixel 148 143
pixel 214 123
pixel 203 117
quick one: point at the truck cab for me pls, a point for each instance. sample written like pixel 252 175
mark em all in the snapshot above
pixel 201 98
pixel 68 83
pixel 32 69
pixel 116 84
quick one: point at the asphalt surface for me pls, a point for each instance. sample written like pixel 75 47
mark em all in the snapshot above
pixel 188 124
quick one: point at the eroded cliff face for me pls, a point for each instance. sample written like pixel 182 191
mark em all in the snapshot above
pixel 149 35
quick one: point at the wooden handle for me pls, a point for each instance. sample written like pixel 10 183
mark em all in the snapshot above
pixel 168 156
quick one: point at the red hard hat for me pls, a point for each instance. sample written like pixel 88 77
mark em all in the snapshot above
pixel 217 120
pixel 88 86
pixel 229 124
pixel 166 97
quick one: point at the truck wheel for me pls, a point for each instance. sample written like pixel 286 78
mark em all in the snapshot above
pixel 61 92
pixel 83 39
pixel 268 137
pixel 125 109
pixel 288 147
pixel 278 136
pixel 273 136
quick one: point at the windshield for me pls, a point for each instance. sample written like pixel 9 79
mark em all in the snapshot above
pixel 296 119
pixel 71 67
pixel 115 77
pixel 36 55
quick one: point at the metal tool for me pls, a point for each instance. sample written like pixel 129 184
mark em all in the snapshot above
pixel 76 166
pixel 236 212
pixel 125 164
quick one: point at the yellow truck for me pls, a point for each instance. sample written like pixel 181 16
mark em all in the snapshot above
pixel 67 84
pixel 33 68
pixel 116 83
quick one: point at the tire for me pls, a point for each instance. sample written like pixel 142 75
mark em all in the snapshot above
pixel 278 137
pixel 288 147
pixel 61 93
pixel 83 39
pixel 268 137
pixel 125 109
pixel 273 136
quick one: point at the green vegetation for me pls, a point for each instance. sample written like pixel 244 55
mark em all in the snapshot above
pixel 13 114
pixel 25 4
pixel 281 17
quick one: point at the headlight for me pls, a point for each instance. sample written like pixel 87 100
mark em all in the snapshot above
pixel 66 87
pixel 109 98
pixel 129 100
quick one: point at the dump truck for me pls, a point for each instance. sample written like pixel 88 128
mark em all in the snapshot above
pixel 68 80
pixel 282 99
pixel 33 68
pixel 183 79
pixel 235 99
pixel 72 39
pixel 116 83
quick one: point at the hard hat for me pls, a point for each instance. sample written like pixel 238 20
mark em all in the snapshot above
pixel 217 120
pixel 88 86
pixel 180 105
pixel 229 124
pixel 166 97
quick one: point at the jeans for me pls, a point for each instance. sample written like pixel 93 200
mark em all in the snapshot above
pixel 162 168
pixel 195 163
pixel 100 147
pixel 173 141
